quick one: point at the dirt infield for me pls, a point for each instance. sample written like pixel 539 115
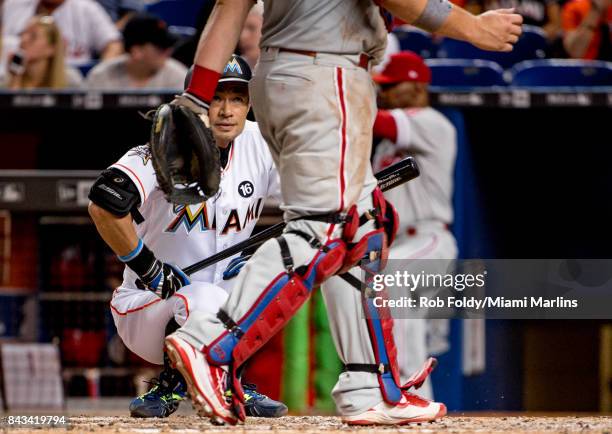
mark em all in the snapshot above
pixel 331 425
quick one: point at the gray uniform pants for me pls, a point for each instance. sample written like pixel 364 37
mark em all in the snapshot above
pixel 316 113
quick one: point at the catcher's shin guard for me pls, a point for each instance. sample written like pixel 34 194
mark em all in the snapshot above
pixel 370 253
pixel 276 305
pixel 380 330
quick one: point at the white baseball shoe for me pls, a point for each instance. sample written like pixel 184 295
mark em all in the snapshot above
pixel 205 383
pixel 411 409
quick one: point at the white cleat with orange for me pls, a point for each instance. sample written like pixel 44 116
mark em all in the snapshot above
pixel 411 409
pixel 205 383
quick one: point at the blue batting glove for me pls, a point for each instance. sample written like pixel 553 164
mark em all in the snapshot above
pixel 234 267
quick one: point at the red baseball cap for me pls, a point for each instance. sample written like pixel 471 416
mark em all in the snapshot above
pixel 404 66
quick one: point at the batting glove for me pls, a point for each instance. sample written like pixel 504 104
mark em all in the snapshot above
pixel 234 267
pixel 159 277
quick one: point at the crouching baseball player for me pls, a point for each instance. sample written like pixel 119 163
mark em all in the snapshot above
pixel 155 238
pixel 407 125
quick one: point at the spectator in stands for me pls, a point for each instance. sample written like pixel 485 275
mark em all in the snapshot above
pixel 248 45
pixel 588 29
pixel 85 26
pixel 541 13
pixel 39 62
pixel 121 11
pixel 147 62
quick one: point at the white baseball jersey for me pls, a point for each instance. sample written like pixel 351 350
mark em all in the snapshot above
pixel 182 234
pixel 430 138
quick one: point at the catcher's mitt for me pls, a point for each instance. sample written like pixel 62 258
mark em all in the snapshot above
pixel 185 155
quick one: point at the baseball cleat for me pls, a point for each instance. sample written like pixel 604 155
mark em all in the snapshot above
pixel 163 398
pixel 205 383
pixel 411 409
pixel 259 405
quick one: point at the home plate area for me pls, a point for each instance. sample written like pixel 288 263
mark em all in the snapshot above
pixel 326 424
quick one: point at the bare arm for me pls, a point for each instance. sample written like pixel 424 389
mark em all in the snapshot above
pixel 117 232
pixel 112 49
pixel 577 41
pixel 495 30
pixel 553 27
pixel 221 33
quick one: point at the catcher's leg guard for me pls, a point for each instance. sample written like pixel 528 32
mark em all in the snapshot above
pixel 380 329
pixel 372 249
pixel 370 253
pixel 274 308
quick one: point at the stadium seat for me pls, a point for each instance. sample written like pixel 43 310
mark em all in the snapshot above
pixel 531 45
pixel 181 13
pixel 416 40
pixel 465 73
pixel 562 72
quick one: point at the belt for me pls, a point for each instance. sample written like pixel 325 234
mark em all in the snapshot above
pixel 364 59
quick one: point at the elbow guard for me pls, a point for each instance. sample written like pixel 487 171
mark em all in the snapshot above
pixel 115 192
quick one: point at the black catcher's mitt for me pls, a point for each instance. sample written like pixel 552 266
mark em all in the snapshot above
pixel 185 155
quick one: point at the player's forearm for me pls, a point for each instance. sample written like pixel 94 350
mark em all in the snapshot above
pixel 215 48
pixel 117 232
pixel 459 23
pixel 221 34
pixel 495 30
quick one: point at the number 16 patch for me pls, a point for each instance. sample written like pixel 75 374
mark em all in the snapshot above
pixel 245 189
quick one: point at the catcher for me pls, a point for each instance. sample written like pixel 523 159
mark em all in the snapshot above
pixel 155 238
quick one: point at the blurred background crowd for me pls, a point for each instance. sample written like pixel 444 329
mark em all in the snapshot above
pixel 135 44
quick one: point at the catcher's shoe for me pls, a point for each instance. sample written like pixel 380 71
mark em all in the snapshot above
pixel 206 383
pixel 163 398
pixel 259 405
pixel 411 409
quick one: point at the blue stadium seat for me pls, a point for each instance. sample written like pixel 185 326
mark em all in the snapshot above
pixel 531 45
pixel 416 40
pixel 562 72
pixel 177 12
pixel 465 73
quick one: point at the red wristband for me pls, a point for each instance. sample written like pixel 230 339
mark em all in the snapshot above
pixel 203 83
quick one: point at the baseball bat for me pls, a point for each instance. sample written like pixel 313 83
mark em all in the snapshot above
pixel 388 178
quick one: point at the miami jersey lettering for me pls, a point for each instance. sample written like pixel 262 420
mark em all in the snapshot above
pixel 183 234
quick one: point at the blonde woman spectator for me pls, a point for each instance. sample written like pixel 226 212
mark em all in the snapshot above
pixel 86 28
pixel 39 62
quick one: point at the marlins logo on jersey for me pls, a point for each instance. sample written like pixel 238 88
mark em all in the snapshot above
pixel 190 216
pixel 196 217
